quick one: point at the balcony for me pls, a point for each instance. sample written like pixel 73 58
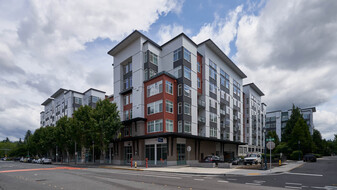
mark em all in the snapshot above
pixel 201 103
pixel 201 119
pixel 222 112
pixel 235 117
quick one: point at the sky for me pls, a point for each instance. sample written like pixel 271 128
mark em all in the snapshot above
pixel 287 48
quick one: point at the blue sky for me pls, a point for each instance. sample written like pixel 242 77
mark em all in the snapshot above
pixel 287 48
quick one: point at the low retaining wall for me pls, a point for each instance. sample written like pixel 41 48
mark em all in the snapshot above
pixel 203 165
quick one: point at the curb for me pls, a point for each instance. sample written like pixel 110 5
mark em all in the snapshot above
pixel 120 168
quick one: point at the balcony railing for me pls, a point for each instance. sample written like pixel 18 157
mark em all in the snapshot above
pixel 222 112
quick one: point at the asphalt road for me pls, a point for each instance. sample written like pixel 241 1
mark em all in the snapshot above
pixel 15 175
pixel 314 175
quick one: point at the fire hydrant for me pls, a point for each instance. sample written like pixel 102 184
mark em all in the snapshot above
pixel 135 164
pixel 280 162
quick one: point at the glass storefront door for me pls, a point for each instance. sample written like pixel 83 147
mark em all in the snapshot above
pixel 127 154
pixel 181 160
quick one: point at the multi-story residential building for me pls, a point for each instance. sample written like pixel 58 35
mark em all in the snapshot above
pixel 179 102
pixel 277 120
pixel 64 102
pixel 254 120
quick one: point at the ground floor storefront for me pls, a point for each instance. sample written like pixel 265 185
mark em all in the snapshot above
pixel 170 149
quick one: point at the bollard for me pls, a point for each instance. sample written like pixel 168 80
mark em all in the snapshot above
pixel 146 161
pixel 131 162
pixel 135 164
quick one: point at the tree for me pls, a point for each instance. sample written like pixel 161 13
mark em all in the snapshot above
pixel 63 134
pixel 107 124
pixel 318 142
pixel 295 115
pixel 272 134
pixel 300 137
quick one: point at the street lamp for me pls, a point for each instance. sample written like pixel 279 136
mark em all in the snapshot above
pixel 265 148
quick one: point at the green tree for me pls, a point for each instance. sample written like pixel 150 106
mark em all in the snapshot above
pixel 318 142
pixel 300 137
pixel 272 134
pixel 295 115
pixel 107 124
pixel 63 134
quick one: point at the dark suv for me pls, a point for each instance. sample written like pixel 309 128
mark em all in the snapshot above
pixel 309 158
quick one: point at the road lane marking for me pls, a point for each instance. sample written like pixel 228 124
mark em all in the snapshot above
pixel 254 173
pixel 293 183
pixel 316 175
pixel 199 179
pixel 252 184
pixel 292 187
pixel 222 181
pixel 257 181
pixel 41 169
pixel 231 179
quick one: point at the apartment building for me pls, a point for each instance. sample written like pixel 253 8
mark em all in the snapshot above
pixel 64 102
pixel 277 120
pixel 254 120
pixel 179 101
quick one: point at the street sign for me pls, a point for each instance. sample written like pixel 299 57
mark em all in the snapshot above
pixel 270 145
pixel 160 139
pixel 189 148
pixel 270 139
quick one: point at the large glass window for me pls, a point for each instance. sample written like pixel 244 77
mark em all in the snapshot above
pixel 199 82
pixel 180 126
pixel 236 88
pixel 187 108
pixel 169 125
pixel 153 58
pixel 155 88
pixel 187 90
pixel 155 107
pixel 212 88
pixel 169 106
pixel 169 87
pixel 152 73
pixel 212 70
pixel 187 127
pixel 187 55
pixel 187 73
pixel 177 54
pixel 155 126
pixel 199 67
pixel 212 132
pixel 78 100
pixel 212 117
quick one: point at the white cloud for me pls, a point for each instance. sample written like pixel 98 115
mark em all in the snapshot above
pixel 45 45
pixel 221 31
pixel 167 32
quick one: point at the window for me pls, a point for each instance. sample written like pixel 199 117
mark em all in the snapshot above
pixel 180 108
pixel 153 58
pixel 179 90
pixel 145 57
pixel 187 72
pixel 155 126
pixel 227 97
pixel 236 88
pixel 176 72
pixel 212 117
pixel 169 106
pixel 78 100
pixel 199 82
pixel 130 98
pixel 169 87
pixel 177 54
pixel 212 103
pixel 128 82
pixel 152 73
pixel 212 70
pixel 155 107
pixel 154 88
pixel 212 132
pixel 187 55
pixel 212 88
pixel 223 94
pixel 187 127
pixel 169 125
pixel 227 80
pixel 199 67
pixel 126 100
pixel 187 108
pixel 127 68
pixel 127 114
pixel 180 126
pixel 187 90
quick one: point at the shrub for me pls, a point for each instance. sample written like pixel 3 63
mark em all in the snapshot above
pixel 294 155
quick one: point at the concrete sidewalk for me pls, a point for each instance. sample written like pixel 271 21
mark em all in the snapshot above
pixel 287 166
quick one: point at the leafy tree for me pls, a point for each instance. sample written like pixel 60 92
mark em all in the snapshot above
pixel 318 142
pixel 295 115
pixel 300 137
pixel 107 124
pixel 272 134
pixel 63 134
pixel 283 148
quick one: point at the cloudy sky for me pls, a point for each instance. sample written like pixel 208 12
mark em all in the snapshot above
pixel 288 48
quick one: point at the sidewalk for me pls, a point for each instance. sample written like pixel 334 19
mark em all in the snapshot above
pixel 287 166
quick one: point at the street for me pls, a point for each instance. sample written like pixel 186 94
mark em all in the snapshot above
pixel 317 175
pixel 16 175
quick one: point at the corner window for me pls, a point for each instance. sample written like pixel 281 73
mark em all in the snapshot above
pixel 155 126
pixel 169 125
pixel 153 58
pixel 177 54
pixel 187 90
pixel 187 127
pixel 187 108
pixel 155 88
pixel 187 73
pixel 187 55
pixel 155 107
pixel 169 87
pixel 199 67
pixel 169 106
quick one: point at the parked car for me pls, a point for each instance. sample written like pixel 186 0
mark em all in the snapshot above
pixel 46 161
pixel 254 158
pixel 237 161
pixel 309 158
pixel 212 159
pixel 21 159
pixel 39 161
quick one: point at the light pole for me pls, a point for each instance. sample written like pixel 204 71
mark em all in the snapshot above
pixel 93 151
pixel 299 148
